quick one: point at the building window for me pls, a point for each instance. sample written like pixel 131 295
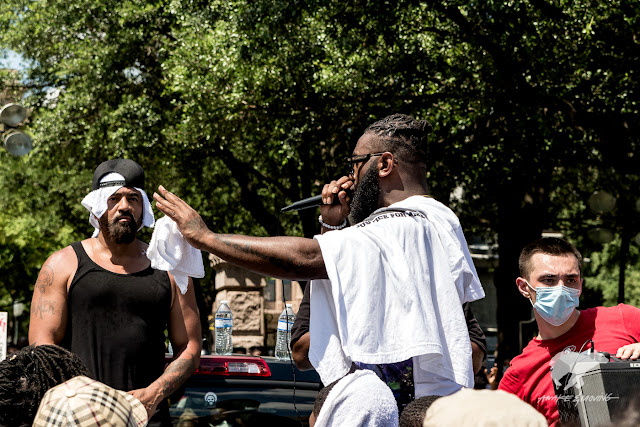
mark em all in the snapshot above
pixel 270 289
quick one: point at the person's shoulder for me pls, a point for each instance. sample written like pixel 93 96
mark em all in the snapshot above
pixel 623 309
pixel 518 361
pixel 606 317
pixel 420 201
pixel 626 308
pixel 63 255
pixel 431 207
pixel 626 311
pixel 61 263
pixel 510 381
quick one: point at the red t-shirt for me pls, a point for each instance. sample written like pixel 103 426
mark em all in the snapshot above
pixel 529 375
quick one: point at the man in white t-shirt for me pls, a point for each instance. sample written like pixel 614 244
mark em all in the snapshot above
pixel 387 293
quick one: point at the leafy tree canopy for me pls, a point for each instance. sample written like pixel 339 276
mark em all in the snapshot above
pixel 242 107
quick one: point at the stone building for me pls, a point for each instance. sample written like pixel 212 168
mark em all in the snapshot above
pixel 256 302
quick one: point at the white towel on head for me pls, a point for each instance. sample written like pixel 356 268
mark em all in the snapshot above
pixel 359 399
pixel 96 204
pixel 169 251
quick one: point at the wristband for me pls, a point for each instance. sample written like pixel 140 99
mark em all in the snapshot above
pixel 332 227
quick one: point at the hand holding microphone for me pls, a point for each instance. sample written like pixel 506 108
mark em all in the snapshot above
pixel 336 197
pixel 334 201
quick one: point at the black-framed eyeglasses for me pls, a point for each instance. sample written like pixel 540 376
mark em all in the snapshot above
pixel 352 160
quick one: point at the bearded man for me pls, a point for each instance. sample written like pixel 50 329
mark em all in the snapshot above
pixel 387 292
pixel 101 299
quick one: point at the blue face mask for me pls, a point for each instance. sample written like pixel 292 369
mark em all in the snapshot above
pixel 555 304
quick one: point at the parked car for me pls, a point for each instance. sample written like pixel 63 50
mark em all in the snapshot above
pixel 238 390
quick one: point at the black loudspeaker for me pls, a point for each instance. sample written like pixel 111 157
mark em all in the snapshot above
pixel 595 393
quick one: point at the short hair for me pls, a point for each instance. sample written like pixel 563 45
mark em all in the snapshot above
pixel 25 376
pixel 414 413
pixel 403 135
pixel 546 245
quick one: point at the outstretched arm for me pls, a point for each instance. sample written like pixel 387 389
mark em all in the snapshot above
pixel 292 258
pixel 186 339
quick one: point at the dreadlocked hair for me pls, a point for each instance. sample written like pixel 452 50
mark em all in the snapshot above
pixel 26 376
pixel 404 136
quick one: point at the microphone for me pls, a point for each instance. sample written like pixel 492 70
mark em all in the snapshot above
pixel 309 202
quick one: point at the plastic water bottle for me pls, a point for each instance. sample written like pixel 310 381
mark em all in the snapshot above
pixel 223 324
pixel 283 339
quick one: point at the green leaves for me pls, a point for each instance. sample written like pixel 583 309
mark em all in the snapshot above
pixel 242 107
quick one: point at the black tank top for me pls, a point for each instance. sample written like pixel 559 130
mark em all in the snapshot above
pixel 116 322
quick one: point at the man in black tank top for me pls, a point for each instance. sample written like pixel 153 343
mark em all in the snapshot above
pixel 101 299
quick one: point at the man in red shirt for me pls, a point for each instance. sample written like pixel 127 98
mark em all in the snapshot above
pixel 550 279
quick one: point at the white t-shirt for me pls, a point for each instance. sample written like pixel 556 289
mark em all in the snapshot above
pixel 395 291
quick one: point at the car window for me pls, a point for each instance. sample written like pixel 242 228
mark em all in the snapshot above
pixel 239 404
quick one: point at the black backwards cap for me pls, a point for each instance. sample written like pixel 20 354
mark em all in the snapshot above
pixel 130 170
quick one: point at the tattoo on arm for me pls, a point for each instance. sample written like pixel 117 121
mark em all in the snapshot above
pixel 176 374
pixel 44 307
pixel 45 278
pixel 287 264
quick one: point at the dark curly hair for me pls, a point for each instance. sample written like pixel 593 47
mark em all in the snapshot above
pixel 404 136
pixel 25 377
pixel 414 413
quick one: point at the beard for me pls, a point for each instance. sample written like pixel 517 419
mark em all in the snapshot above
pixel 366 196
pixel 119 232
